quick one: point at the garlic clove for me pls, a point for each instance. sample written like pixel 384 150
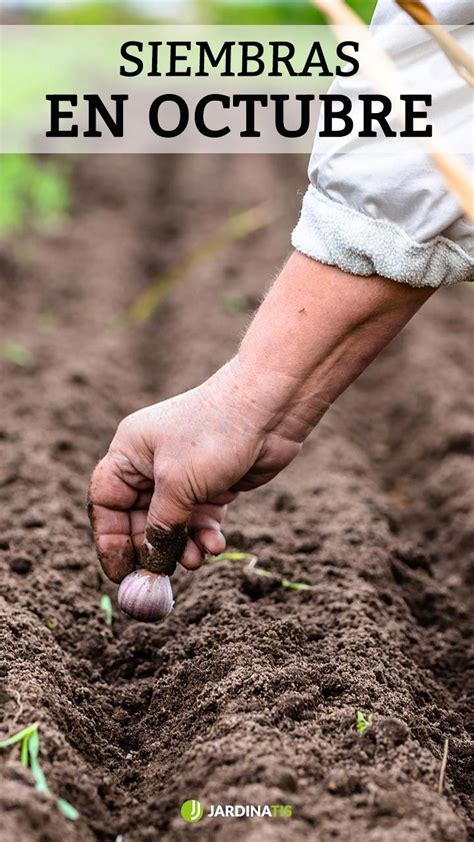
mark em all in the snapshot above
pixel 146 596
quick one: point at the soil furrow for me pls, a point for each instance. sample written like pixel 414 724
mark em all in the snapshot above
pixel 249 692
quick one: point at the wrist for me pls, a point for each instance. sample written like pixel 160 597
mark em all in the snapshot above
pixel 266 400
pixel 251 393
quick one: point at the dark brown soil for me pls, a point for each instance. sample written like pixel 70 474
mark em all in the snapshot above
pixel 248 693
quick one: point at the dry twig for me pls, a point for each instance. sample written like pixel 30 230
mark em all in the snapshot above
pixel 442 771
pixel 235 228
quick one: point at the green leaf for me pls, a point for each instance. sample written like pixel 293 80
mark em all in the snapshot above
pixel 36 770
pixel 30 746
pixel 16 738
pixel 68 811
pixel 24 751
pixel 362 722
pixel 33 746
pixel 106 605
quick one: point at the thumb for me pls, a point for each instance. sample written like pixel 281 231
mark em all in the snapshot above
pixel 166 530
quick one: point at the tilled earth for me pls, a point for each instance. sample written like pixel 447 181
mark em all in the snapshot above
pixel 248 693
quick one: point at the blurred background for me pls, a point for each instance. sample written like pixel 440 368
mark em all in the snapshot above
pixel 199 11
pixel 34 191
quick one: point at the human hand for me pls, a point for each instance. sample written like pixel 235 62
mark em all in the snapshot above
pixel 172 468
pixel 177 465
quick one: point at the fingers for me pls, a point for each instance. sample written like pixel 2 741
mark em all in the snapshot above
pixel 193 556
pixel 203 526
pixel 132 525
pixel 254 479
pixel 138 519
pixel 110 498
pixel 223 499
pixel 167 510
pixel 205 534
pixel 108 488
pixel 211 540
pixel 116 554
pixel 206 541
pixel 165 530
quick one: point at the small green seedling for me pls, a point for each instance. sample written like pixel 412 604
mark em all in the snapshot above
pixel 231 556
pixel 16 354
pixel 260 571
pixel 106 605
pixel 51 623
pixel 295 586
pixel 30 746
pixel 362 722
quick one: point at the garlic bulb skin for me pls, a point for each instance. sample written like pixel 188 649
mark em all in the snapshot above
pixel 146 596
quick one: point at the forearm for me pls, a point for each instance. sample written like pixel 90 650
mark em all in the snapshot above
pixel 316 331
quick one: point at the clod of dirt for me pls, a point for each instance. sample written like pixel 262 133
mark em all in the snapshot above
pixel 21 564
pixel 162 549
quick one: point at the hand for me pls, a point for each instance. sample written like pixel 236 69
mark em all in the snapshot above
pixel 181 462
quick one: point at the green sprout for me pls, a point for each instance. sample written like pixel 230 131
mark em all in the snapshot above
pixel 106 605
pixel 30 746
pixel 362 722
pixel 16 354
pixel 251 567
pixel 231 556
pixel 295 586
pixel 51 623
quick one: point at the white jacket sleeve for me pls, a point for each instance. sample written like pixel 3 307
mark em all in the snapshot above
pixel 390 214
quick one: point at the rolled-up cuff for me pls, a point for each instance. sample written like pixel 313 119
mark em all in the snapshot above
pixel 362 245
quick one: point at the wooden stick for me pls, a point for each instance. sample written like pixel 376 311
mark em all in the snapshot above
pixel 457 55
pixel 384 76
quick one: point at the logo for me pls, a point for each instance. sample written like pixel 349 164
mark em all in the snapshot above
pixel 192 811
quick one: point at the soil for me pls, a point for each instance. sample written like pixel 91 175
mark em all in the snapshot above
pixel 248 692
